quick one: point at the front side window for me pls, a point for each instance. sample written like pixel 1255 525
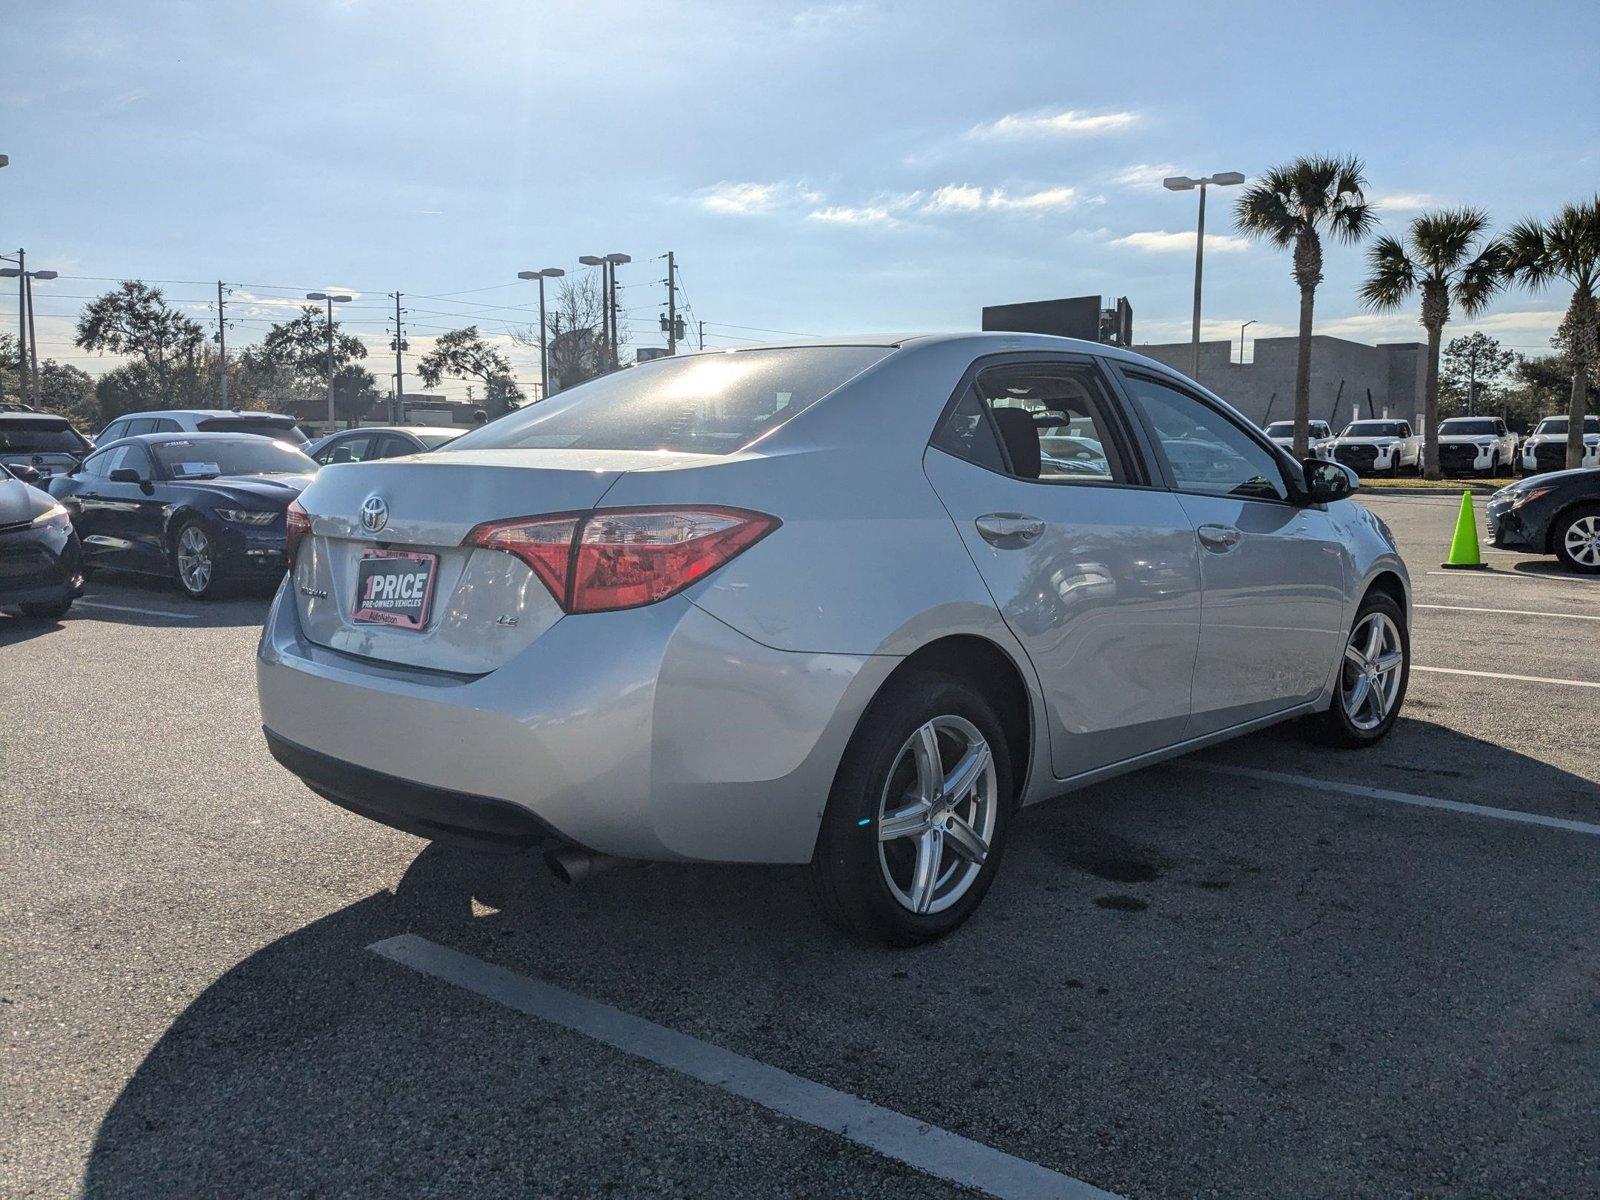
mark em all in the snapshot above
pixel 102 464
pixel 701 403
pixel 1207 452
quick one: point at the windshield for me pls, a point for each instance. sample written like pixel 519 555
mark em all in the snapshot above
pixel 1559 425
pixel 205 458
pixel 431 439
pixel 704 404
pixel 40 437
pixel 1460 425
pixel 1283 429
pixel 286 430
pixel 1372 429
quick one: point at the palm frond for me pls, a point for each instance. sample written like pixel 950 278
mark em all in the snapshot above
pixel 1265 212
pixel 1318 191
pixel 1572 243
pixel 1481 279
pixel 1441 241
pixel 1392 276
pixel 1527 258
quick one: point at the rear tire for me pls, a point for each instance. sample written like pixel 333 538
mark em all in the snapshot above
pixel 1366 702
pixel 949 851
pixel 1582 526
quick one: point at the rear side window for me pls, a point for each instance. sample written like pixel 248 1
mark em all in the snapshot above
pixel 703 403
pixel 39 437
pixel 1053 422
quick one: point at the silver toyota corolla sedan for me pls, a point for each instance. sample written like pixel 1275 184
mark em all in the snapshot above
pixel 826 604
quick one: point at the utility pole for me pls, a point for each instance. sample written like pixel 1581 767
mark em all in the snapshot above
pixel 222 344
pixel 22 323
pixel 702 335
pixel 33 329
pixel 672 303
pixel 331 300
pixel 397 399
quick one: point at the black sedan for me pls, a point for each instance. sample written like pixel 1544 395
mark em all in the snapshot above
pixel 1557 513
pixel 202 508
pixel 41 569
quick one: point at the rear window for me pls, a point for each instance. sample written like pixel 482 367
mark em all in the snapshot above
pixel 1283 429
pixel 704 403
pixel 40 437
pixel 1462 425
pixel 286 430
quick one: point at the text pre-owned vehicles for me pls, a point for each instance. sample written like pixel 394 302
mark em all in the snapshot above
pixel 1321 435
pixel 206 509
pixel 1368 447
pixel 43 443
pixel 379 441
pixel 205 420
pixel 1480 444
pixel 821 603
pixel 1546 447
pixel 40 568
pixel 1557 513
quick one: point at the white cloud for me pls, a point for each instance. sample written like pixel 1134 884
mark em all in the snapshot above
pixel 1159 241
pixel 1398 202
pixel 871 214
pixel 966 198
pixel 741 199
pixel 823 18
pixel 1067 123
pixel 1144 175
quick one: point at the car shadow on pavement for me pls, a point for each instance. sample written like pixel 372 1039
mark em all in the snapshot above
pixel 16 629
pixel 1169 935
pixel 129 598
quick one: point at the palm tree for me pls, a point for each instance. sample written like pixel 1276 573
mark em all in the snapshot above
pixel 1566 248
pixel 1292 206
pixel 1448 258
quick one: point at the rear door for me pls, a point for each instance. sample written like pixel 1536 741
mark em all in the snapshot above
pixel 1092 563
pixel 1273 571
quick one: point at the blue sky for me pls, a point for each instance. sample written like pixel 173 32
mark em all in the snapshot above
pixel 822 168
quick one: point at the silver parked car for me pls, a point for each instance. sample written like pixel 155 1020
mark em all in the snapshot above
pixel 826 604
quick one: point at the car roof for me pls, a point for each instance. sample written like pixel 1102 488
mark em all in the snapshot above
pixel 219 435
pixel 981 342
pixel 205 414
pixel 399 429
pixel 32 418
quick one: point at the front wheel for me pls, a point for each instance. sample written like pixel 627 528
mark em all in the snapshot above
pixel 194 557
pixel 1373 674
pixel 917 819
pixel 1577 540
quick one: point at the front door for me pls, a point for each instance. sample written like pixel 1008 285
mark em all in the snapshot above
pixel 1273 571
pixel 1095 571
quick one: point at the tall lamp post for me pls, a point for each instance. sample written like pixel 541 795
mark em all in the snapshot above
pixel 27 330
pixel 1242 328
pixel 544 352
pixel 331 300
pixel 1182 183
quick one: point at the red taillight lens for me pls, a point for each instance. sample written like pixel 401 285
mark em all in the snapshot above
pixel 624 558
pixel 297 523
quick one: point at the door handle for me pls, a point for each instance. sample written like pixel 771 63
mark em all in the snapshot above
pixel 1220 538
pixel 1008 531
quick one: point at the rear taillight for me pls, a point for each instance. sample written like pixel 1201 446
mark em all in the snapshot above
pixel 297 523
pixel 624 557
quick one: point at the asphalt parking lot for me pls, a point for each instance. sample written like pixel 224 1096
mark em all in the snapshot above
pixel 1271 970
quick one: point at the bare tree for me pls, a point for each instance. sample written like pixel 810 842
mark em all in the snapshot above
pixel 577 350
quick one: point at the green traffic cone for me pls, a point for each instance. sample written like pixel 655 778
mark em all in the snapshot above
pixel 1464 546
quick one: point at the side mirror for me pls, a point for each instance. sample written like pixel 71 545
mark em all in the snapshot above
pixel 1328 481
pixel 125 475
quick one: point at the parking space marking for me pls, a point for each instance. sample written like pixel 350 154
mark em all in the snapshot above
pixel 1510 612
pixel 143 612
pixel 1502 675
pixel 928 1148
pixel 1371 793
pixel 1519 576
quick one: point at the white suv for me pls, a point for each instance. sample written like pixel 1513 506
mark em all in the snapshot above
pixel 1282 433
pixel 1481 444
pixel 1382 445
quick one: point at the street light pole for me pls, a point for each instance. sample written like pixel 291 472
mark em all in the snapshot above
pixel 1242 328
pixel 331 300
pixel 616 260
pixel 544 350
pixel 1182 183
pixel 22 323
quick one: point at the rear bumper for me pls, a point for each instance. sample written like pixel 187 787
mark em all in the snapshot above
pixel 657 733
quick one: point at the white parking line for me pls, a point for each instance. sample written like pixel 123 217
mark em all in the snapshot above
pixel 1519 576
pixel 926 1147
pixel 143 612
pixel 1372 793
pixel 1503 675
pixel 1509 612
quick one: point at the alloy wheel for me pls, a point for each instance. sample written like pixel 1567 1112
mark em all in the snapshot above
pixel 194 559
pixel 937 814
pixel 1582 541
pixel 1370 681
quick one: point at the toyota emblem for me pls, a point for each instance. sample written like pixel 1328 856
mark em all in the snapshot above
pixel 374 513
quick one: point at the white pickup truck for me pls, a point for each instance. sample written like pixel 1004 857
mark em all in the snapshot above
pixel 1480 444
pixel 1282 432
pixel 1546 447
pixel 1387 445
